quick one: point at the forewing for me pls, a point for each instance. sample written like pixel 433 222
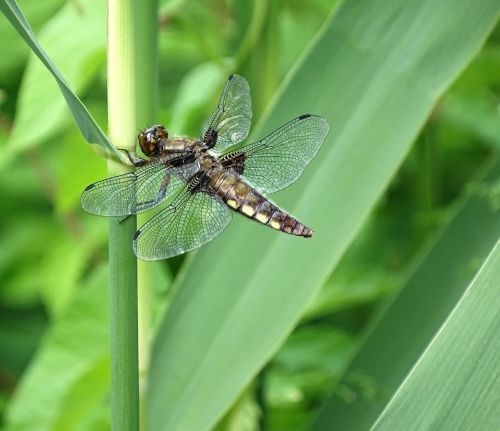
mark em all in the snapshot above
pixel 232 118
pixel 131 193
pixel 193 219
pixel 276 161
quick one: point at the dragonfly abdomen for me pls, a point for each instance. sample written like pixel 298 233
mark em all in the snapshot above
pixel 244 199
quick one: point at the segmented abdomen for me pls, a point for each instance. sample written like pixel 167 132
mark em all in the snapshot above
pixel 247 201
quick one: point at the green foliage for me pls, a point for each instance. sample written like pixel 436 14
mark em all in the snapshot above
pixel 424 302
pixel 89 128
pixel 383 103
pixel 394 294
pixel 463 353
pixel 36 119
pixel 65 366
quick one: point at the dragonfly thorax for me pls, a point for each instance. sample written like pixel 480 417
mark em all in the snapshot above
pixel 179 144
pixel 209 163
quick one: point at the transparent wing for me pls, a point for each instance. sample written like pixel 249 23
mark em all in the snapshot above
pixel 193 219
pixel 276 161
pixel 131 193
pixel 232 118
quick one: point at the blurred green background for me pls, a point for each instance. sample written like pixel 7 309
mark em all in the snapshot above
pixel 53 256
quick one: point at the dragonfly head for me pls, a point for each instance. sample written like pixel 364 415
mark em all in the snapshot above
pixel 152 140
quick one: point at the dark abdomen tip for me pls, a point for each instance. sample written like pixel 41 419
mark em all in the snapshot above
pixel 307 233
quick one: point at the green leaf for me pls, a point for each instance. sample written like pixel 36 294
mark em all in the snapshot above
pixel 69 173
pixel 424 303
pixel 84 398
pixel 41 109
pixel 244 415
pixel 63 251
pixel 471 105
pixel 22 242
pixel 375 73
pixel 20 334
pixel 87 125
pixel 191 102
pixel 306 365
pixel 456 382
pixel 15 52
pixel 73 355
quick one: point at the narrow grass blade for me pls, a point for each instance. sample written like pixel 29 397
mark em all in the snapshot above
pixel 87 125
pixel 41 110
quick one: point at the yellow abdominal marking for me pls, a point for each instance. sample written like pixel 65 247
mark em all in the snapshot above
pixel 232 203
pixel 275 224
pixel 263 218
pixel 247 210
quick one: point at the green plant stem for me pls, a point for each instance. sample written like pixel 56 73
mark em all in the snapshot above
pixel 123 328
pixel 146 90
pixel 122 262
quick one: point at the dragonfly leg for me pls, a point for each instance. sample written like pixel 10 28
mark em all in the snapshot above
pixel 141 206
pixel 135 160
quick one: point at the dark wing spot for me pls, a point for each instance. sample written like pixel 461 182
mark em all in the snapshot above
pixel 89 187
pixel 304 116
pixel 230 77
pixel 137 235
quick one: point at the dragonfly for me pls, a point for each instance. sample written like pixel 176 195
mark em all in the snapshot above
pixel 204 181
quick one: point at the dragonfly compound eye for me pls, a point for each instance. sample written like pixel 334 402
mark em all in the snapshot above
pixel 149 142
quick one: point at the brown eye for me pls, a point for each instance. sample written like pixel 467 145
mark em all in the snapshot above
pixel 147 142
